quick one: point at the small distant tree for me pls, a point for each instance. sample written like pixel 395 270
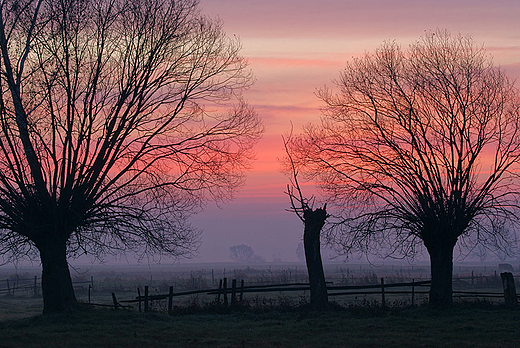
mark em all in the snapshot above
pixel 419 147
pixel 244 254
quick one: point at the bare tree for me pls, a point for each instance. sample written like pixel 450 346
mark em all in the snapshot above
pixel 419 147
pixel 245 254
pixel 313 222
pixel 119 119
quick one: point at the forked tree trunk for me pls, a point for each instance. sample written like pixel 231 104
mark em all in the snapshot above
pixel 314 221
pixel 58 293
pixel 441 264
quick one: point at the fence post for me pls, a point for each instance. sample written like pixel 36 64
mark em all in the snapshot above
pixel 36 286
pixel 146 298
pixel 89 288
pixel 413 292
pixel 219 291
pixel 241 291
pixel 383 292
pixel 508 283
pixel 8 287
pixel 233 291
pixel 139 298
pixel 224 288
pixel 115 301
pixel 170 301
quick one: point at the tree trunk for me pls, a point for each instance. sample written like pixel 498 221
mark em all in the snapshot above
pixel 314 221
pixel 58 293
pixel 508 282
pixel 441 264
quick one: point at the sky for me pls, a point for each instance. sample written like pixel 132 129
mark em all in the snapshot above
pixel 294 48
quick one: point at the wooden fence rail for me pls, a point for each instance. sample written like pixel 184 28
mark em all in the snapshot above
pixel 223 292
pixel 236 292
pixel 32 285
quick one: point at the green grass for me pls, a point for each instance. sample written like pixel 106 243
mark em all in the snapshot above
pixel 463 326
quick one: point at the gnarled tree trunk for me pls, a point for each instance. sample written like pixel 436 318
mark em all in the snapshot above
pixel 314 221
pixel 58 293
pixel 441 264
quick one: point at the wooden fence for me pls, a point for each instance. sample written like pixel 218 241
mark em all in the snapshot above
pixel 32 285
pixel 233 295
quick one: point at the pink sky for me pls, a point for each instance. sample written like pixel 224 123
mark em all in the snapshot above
pixel 295 47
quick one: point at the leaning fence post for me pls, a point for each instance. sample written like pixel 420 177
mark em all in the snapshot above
pixel 383 292
pixel 146 298
pixel 170 301
pixel 139 298
pixel 508 282
pixel 413 292
pixel 115 301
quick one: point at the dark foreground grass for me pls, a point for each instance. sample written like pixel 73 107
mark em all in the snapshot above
pixel 462 326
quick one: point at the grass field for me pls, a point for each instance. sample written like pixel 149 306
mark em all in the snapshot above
pixel 269 319
pixel 466 325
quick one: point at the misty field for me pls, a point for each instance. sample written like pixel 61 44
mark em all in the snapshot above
pixel 264 320
pixel 463 326
pixel 96 285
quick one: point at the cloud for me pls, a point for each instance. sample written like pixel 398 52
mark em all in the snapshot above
pixel 284 62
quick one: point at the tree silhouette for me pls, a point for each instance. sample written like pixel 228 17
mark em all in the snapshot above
pixel 118 120
pixel 313 221
pixel 419 147
pixel 244 254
